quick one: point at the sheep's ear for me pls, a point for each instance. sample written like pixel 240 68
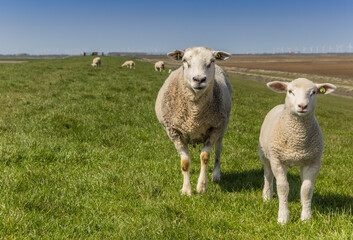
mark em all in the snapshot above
pixel 219 55
pixel 278 86
pixel 325 88
pixel 176 55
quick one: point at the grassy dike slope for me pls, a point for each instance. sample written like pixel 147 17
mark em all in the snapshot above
pixel 82 156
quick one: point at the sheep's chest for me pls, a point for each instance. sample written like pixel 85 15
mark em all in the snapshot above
pixel 195 130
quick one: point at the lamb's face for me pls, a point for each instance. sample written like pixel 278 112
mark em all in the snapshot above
pixel 301 94
pixel 198 66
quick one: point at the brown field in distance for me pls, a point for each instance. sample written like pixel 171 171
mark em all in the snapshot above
pixel 326 65
pixel 333 68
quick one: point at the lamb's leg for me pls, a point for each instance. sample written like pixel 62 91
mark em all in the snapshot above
pixel 280 173
pixel 216 175
pixel 308 175
pixel 267 192
pixel 183 151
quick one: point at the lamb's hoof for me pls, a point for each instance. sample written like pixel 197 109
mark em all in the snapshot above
pixel 305 216
pixel 283 217
pixel 266 196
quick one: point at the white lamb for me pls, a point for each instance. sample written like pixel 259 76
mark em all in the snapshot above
pixel 159 66
pixel 193 106
pixel 291 136
pixel 129 64
pixel 97 62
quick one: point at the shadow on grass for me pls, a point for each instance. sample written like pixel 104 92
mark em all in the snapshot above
pixel 329 202
pixel 253 180
pixel 238 181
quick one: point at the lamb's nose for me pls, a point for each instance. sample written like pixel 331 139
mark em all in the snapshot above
pixel 302 106
pixel 199 79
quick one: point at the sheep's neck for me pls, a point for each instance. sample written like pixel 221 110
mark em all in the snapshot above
pixel 198 102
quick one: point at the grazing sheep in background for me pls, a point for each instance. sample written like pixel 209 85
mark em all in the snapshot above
pixel 130 64
pixel 96 62
pixel 291 136
pixel 159 66
pixel 193 106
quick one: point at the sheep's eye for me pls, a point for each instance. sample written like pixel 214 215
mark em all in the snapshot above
pixel 312 93
pixel 290 92
pixel 209 65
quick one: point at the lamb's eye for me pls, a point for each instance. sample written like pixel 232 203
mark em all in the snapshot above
pixel 209 65
pixel 290 92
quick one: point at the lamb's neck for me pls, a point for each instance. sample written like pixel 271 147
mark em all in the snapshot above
pixel 298 124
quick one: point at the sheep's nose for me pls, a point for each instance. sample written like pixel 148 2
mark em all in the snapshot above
pixel 199 79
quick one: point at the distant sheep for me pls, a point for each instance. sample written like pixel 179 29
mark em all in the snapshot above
pixel 129 64
pixel 96 62
pixel 159 66
pixel 194 106
pixel 291 136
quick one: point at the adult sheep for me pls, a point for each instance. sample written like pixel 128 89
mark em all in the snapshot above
pixel 129 64
pixel 159 66
pixel 97 62
pixel 291 136
pixel 193 106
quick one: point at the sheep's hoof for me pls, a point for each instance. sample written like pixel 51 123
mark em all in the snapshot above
pixel 201 187
pixel 186 191
pixel 216 177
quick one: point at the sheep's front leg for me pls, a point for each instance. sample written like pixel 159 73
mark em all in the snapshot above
pixel 202 183
pixel 308 175
pixel 280 173
pixel 216 175
pixel 183 151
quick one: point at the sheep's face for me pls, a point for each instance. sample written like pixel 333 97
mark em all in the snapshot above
pixel 198 66
pixel 301 94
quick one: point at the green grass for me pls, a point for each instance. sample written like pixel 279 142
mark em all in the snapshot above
pixel 82 156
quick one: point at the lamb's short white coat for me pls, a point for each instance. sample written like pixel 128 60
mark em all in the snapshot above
pixel 291 136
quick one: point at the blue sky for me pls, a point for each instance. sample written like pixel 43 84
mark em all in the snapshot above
pixel 248 26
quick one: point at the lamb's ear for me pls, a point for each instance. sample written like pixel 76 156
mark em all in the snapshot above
pixel 278 86
pixel 325 88
pixel 176 55
pixel 219 55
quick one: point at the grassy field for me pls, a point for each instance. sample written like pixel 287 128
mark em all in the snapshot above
pixel 82 156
